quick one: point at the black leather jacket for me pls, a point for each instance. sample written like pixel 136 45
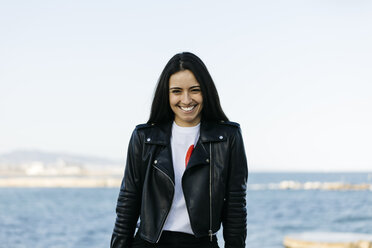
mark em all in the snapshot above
pixel 214 184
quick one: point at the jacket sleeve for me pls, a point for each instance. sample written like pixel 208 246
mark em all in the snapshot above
pixel 129 200
pixel 234 219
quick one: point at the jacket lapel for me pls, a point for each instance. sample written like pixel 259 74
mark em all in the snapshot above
pixel 160 135
pixel 200 155
pixel 209 132
pixel 164 161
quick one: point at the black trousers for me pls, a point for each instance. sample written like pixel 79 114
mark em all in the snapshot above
pixel 170 239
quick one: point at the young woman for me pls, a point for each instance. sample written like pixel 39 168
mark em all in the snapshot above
pixel 186 169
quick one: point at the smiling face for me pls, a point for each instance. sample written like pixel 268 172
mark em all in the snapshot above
pixel 185 98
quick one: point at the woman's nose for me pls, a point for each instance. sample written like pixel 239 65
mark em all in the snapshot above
pixel 186 99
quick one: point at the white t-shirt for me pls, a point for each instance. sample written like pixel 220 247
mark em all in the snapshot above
pixel 181 140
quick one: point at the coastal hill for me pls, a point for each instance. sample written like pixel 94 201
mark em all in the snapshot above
pixel 36 162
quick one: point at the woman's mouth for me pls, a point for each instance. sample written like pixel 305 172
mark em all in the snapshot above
pixel 187 109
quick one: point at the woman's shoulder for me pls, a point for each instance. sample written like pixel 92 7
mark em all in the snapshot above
pixel 144 125
pixel 144 128
pixel 149 126
pixel 229 123
pixel 229 126
pixel 153 128
pixel 218 130
pixel 231 129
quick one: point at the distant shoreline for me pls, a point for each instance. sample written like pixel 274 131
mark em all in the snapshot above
pixel 114 181
pixel 60 182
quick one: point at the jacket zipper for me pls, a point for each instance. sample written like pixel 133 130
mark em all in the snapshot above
pixel 210 233
pixel 162 225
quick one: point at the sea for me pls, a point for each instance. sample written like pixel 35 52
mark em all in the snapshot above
pixel 84 217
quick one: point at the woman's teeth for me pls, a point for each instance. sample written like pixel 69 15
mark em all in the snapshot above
pixel 187 108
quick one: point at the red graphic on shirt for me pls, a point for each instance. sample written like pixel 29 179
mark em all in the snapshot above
pixel 188 155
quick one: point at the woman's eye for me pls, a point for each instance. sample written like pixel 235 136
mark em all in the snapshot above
pixel 175 91
pixel 195 90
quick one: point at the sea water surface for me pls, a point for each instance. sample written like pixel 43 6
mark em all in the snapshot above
pixel 84 217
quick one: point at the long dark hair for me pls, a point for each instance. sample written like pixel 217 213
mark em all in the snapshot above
pixel 160 108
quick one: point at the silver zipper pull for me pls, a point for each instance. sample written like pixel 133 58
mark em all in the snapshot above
pixel 210 235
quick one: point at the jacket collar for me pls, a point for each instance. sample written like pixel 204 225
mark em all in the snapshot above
pixel 160 135
pixel 211 132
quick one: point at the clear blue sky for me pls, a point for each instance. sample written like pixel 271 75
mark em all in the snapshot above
pixel 77 76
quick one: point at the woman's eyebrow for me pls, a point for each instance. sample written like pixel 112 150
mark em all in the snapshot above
pixel 195 86
pixel 192 87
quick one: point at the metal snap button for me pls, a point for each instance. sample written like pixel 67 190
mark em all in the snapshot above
pixel 221 137
pixel 148 139
pixel 207 160
pixel 155 161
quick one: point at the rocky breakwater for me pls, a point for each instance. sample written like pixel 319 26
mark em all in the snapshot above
pixel 328 240
pixel 323 186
